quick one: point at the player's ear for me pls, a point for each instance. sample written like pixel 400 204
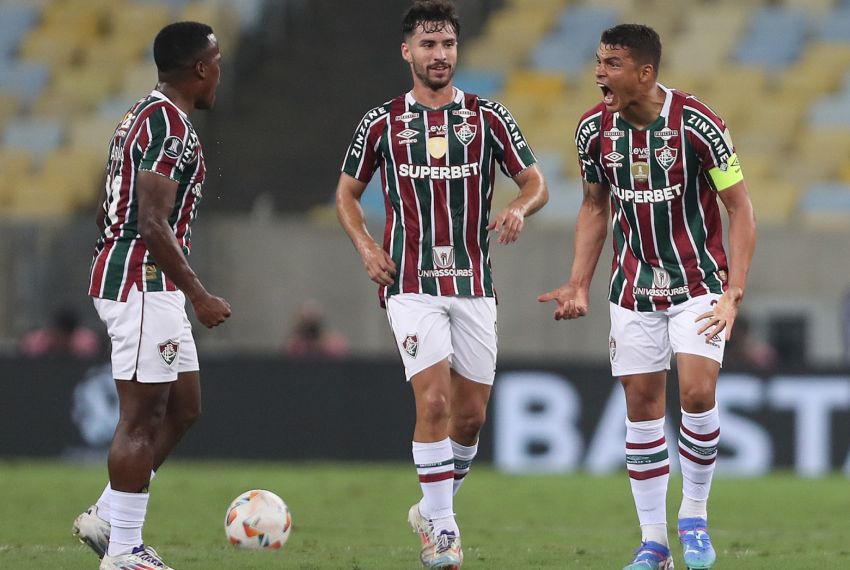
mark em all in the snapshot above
pixel 405 53
pixel 201 69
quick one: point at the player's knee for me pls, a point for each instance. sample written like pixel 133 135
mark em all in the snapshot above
pixel 696 401
pixel 468 425
pixel 433 406
pixel 188 415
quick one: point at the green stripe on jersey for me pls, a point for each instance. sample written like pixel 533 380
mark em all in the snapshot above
pixel 457 206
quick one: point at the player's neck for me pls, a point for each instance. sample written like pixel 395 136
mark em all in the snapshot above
pixel 644 111
pixel 433 99
pixel 176 96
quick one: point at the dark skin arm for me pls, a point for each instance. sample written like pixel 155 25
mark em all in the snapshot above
pixel 157 195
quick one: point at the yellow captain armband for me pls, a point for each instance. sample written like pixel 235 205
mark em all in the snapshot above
pixel 727 174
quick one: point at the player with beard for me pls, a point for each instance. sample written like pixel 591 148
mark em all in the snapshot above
pixel 662 159
pixel 437 148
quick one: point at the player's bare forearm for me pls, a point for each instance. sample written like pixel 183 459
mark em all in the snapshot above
pixel 572 297
pixel 163 246
pixel 591 230
pixel 742 244
pixel 377 263
pixel 533 193
pixel 350 213
pixel 157 195
pixel 156 201
pixel 742 235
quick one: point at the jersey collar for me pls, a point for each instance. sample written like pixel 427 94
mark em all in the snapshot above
pixel 411 102
pixel 157 94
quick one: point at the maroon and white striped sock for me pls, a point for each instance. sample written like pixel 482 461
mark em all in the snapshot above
pixel 435 466
pixel 463 454
pixel 698 438
pixel 649 470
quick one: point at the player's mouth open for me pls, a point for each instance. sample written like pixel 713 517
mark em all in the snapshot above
pixel 607 94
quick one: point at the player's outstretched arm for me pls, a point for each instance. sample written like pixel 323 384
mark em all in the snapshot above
pixel 533 195
pixel 591 228
pixel 156 201
pixel 742 245
pixel 378 264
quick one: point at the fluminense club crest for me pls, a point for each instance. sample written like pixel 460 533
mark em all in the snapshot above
pixel 666 156
pixel 410 344
pixel 465 132
pixel 168 350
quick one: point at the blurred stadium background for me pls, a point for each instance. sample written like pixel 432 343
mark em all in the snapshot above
pixel 298 75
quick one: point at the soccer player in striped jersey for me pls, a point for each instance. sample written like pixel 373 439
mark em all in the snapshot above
pixel 661 158
pixel 140 279
pixel 437 148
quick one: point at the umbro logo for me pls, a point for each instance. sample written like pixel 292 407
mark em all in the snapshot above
pixel 613 159
pixel 407 136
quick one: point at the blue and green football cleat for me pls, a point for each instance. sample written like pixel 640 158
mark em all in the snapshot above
pixel 651 556
pixel 698 551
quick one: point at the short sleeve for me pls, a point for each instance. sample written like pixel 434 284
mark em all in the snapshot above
pixel 362 157
pixel 511 149
pixel 587 145
pixel 712 143
pixel 170 143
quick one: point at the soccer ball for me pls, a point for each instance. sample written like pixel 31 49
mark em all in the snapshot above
pixel 258 520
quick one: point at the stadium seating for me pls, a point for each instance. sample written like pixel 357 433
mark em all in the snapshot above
pixel 777 71
pixel 69 69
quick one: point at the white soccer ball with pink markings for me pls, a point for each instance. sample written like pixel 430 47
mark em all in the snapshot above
pixel 258 520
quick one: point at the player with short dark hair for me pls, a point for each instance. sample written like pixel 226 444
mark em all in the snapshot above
pixel 437 148
pixel 661 158
pixel 140 279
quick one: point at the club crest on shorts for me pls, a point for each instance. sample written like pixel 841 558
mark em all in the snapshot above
pixel 410 344
pixel 168 350
pixel 612 347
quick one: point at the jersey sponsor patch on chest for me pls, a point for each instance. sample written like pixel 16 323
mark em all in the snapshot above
pixel 647 196
pixel 422 171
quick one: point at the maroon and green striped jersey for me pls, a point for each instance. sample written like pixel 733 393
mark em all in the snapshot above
pixel 437 171
pixel 156 136
pixel 668 238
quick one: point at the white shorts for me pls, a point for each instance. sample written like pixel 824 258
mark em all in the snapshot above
pixel 428 329
pixel 644 342
pixel 151 336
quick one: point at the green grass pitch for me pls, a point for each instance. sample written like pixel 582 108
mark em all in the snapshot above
pixel 353 516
